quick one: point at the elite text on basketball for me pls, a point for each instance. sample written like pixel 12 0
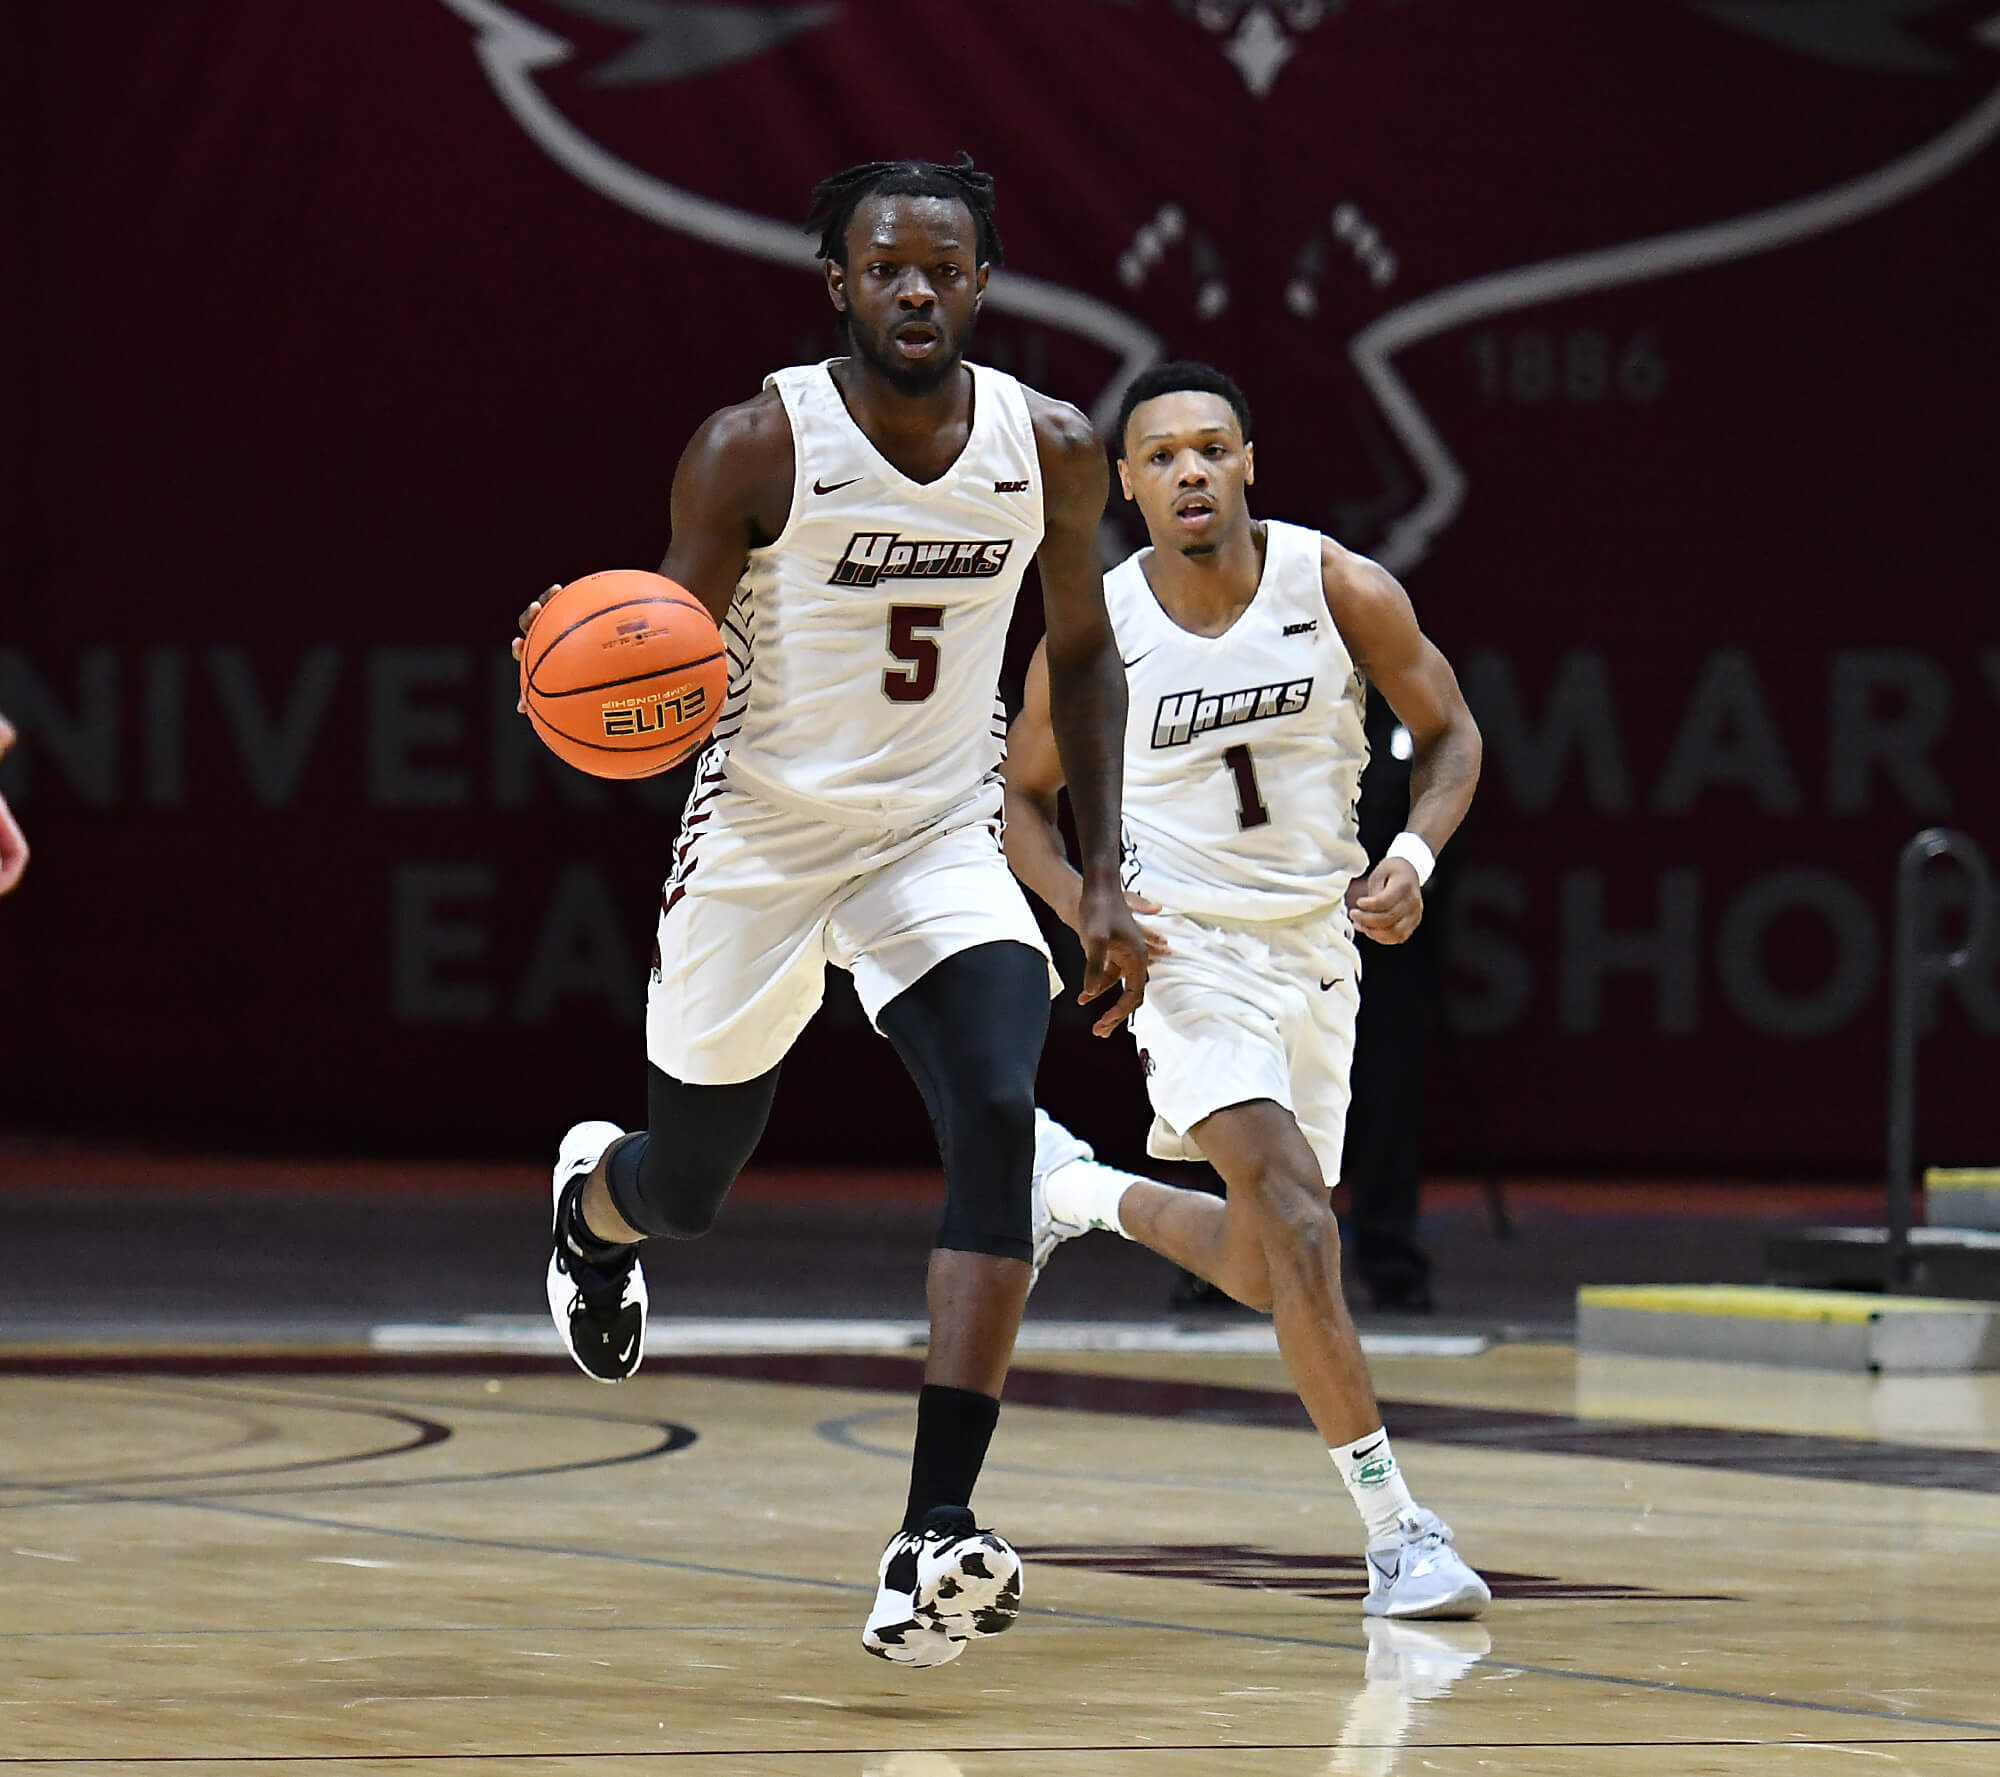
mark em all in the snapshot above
pixel 650 713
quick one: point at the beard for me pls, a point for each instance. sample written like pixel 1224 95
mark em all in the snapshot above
pixel 878 352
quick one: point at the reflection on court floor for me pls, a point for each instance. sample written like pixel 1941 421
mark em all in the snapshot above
pixel 487 1574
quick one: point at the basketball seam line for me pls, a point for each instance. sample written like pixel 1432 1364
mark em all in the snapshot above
pixel 604 611
pixel 660 672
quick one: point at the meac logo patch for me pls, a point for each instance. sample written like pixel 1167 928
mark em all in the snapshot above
pixel 873 556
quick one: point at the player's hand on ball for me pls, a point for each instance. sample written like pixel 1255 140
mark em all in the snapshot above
pixel 527 618
pixel 13 848
pixel 1387 904
pixel 1114 951
pixel 1156 946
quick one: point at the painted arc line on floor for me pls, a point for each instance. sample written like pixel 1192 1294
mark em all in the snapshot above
pixel 846 1432
pixel 1788 1455
pixel 1798 1456
pixel 839 1430
pixel 700 1338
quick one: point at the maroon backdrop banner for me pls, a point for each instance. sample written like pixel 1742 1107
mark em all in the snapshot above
pixel 1652 344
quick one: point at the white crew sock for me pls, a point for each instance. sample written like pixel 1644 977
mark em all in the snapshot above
pixel 1368 1466
pixel 1089 1192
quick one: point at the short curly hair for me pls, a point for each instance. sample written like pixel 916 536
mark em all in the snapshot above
pixel 1176 376
pixel 834 200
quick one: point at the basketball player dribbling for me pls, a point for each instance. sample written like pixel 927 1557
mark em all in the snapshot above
pixel 860 529
pixel 1247 647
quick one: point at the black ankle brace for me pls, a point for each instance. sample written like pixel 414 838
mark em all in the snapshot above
pixel 576 1236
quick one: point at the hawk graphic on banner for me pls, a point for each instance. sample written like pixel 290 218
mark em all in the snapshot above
pixel 1305 190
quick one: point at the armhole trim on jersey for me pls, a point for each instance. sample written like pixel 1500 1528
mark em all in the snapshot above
pixel 1321 607
pixel 787 399
pixel 1127 595
pixel 1024 417
pixel 1010 397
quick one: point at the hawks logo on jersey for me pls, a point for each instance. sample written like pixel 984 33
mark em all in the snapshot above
pixel 883 555
pixel 1184 714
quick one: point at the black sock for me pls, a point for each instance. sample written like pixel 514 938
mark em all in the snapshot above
pixel 954 1426
pixel 576 1234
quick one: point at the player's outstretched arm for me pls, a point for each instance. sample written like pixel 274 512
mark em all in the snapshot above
pixel 13 846
pixel 1086 697
pixel 1376 621
pixel 732 494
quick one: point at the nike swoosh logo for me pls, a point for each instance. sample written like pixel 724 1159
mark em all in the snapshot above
pixel 631 1345
pixel 1323 987
pixel 824 487
pixel 1141 655
pixel 1359 1455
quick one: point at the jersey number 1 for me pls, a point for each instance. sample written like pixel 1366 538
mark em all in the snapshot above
pixel 917 678
pixel 1250 809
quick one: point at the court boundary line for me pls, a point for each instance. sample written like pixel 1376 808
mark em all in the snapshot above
pixel 84 1495
pixel 854 1589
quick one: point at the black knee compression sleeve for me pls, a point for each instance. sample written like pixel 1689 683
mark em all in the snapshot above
pixel 671 1179
pixel 970 1032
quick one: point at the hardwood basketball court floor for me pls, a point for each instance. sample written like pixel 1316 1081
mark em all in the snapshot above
pixel 262 1565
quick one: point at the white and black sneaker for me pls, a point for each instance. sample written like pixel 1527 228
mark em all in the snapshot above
pixel 893 1630
pixel 599 1309
pixel 939 1587
pixel 1415 1572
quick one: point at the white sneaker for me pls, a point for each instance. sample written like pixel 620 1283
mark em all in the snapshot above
pixel 1053 1219
pixel 939 1587
pixel 893 1630
pixel 599 1311
pixel 1415 1572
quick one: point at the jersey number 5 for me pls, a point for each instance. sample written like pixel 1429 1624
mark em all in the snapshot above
pixel 1250 809
pixel 917 679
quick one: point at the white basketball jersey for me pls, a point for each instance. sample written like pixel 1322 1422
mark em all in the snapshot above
pixel 865 642
pixel 1243 751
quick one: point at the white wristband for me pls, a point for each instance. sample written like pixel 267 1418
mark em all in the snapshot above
pixel 1414 852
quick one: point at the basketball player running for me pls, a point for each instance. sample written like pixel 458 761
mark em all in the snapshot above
pixel 860 529
pixel 1246 646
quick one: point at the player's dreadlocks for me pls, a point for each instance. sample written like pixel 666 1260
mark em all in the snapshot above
pixel 834 200
pixel 1181 376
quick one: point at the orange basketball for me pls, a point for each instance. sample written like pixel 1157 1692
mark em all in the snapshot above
pixel 623 673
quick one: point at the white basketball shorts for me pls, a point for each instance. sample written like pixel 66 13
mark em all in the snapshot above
pixel 762 898
pixel 1235 1013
